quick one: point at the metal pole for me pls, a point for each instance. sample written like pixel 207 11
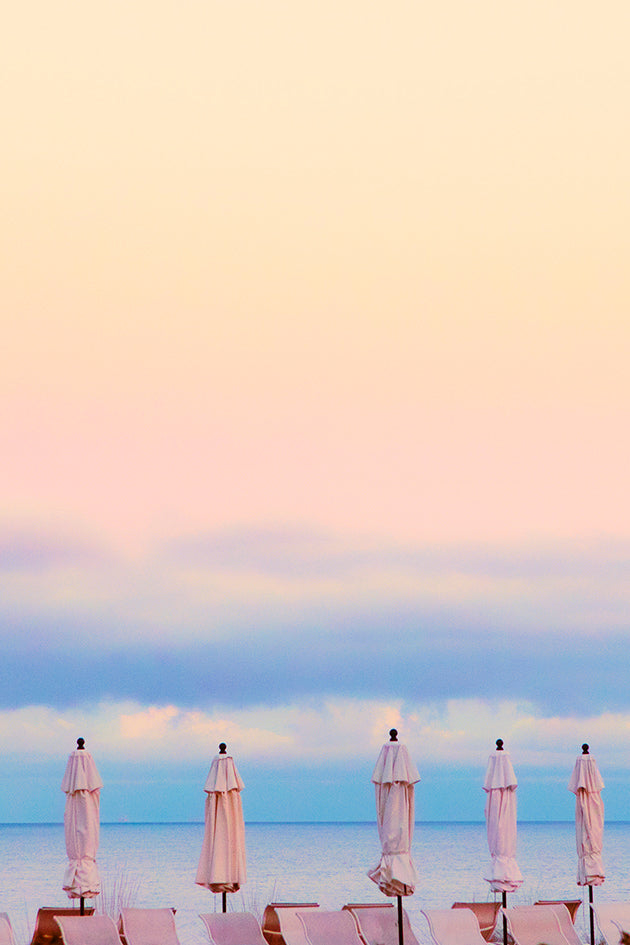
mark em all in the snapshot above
pixel 224 901
pixel 81 906
pixel 591 916
pixel 504 904
pixel 400 921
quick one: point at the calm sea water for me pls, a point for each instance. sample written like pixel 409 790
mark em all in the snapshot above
pixel 155 865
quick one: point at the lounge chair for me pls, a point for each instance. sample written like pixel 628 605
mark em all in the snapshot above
pixel 6 930
pixel 453 927
pixel 335 927
pixel 612 918
pixel 563 916
pixel 531 925
pixel 148 927
pixel 46 930
pixel 486 914
pixel 377 923
pixel 88 930
pixel 281 926
pixel 572 905
pixel 232 928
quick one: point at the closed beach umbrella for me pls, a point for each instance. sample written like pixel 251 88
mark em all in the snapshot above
pixel 394 777
pixel 586 783
pixel 82 785
pixel 500 787
pixel 222 861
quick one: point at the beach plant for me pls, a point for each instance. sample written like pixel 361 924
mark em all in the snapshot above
pixel 119 890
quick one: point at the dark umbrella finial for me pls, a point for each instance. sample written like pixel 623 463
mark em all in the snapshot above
pixel 499 744
pixel 393 735
pixel 80 744
pixel 222 748
pixel 585 749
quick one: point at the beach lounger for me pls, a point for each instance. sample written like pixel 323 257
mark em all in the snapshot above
pixel 335 927
pixel 148 927
pixel 453 927
pixel 377 923
pixel 232 928
pixel 6 930
pixel 88 930
pixel 563 916
pixel 486 914
pixel 531 925
pixel 46 930
pixel 612 918
pixel 573 905
pixel 281 926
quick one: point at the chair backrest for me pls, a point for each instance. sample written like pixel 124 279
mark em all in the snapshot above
pixel 6 930
pixel 531 925
pixel 564 918
pixel 377 923
pixel 148 926
pixel 486 914
pixel 88 930
pixel 47 931
pixel 334 927
pixel 281 925
pixel 612 918
pixel 453 927
pixel 573 905
pixel 232 928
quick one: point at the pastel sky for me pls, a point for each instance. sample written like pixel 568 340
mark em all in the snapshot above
pixel 314 400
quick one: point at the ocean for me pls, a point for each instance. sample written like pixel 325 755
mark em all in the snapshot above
pixel 155 864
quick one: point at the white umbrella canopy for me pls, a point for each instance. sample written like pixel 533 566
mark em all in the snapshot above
pixel 587 784
pixel 500 786
pixel 222 866
pixel 82 785
pixel 394 777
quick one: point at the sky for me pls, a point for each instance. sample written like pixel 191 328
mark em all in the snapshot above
pixel 314 401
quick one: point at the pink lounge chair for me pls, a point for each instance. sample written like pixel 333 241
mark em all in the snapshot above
pixel 531 925
pixel 486 914
pixel 453 927
pixel 335 927
pixel 88 930
pixel 47 930
pixel 281 925
pixel 232 928
pixel 148 927
pixel 377 923
pixel 6 930
pixel 563 916
pixel 612 918
pixel 573 905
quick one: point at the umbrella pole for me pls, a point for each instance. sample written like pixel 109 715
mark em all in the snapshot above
pixel 224 901
pixel 81 906
pixel 400 921
pixel 504 904
pixel 591 916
